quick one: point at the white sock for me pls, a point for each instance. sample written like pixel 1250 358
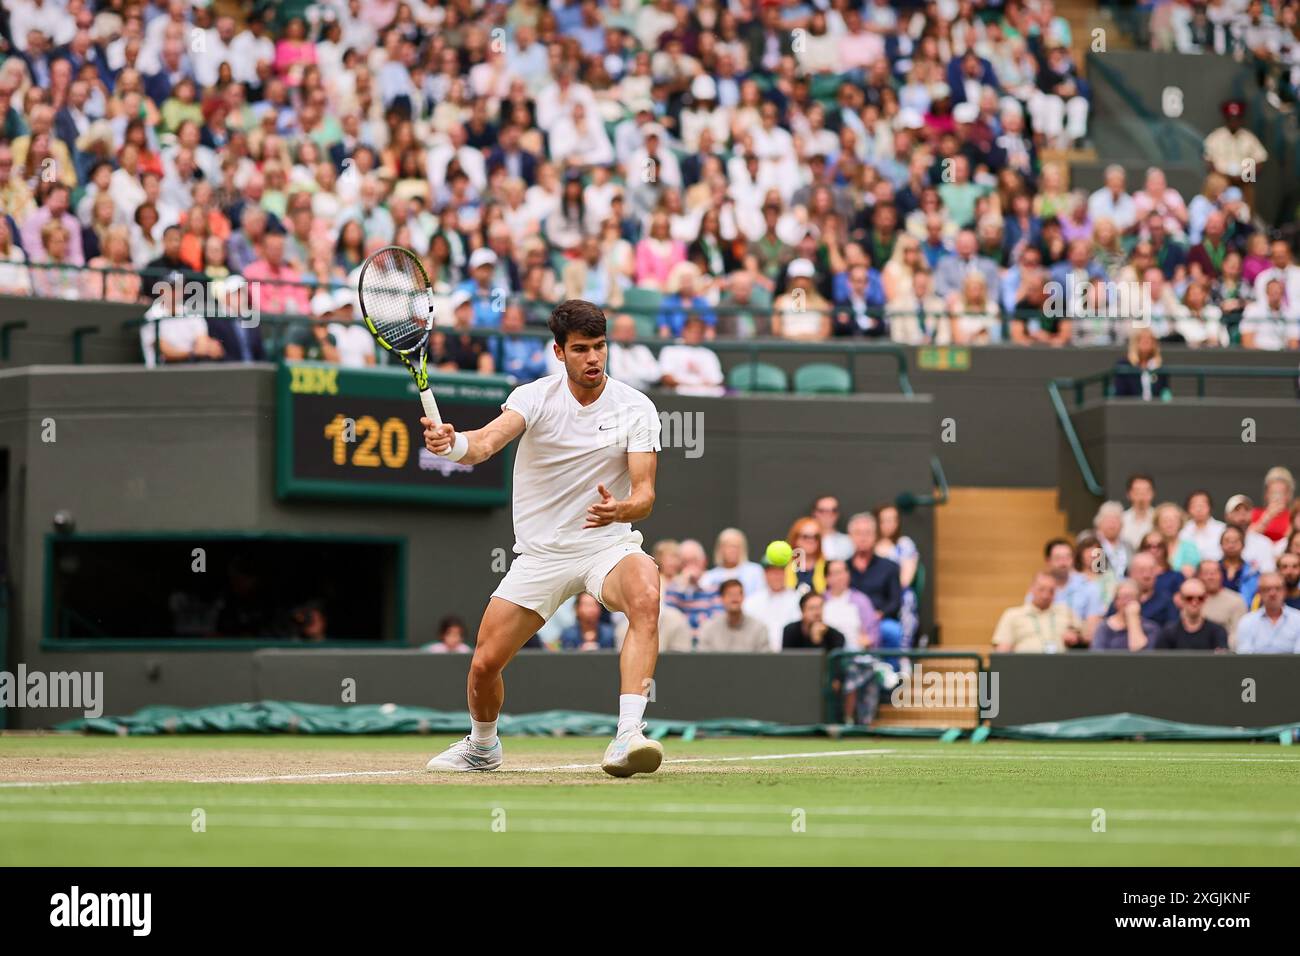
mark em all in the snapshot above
pixel 631 708
pixel 483 733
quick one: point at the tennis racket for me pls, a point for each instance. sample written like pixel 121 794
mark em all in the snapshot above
pixel 397 305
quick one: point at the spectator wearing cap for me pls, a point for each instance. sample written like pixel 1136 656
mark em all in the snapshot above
pixel 1275 627
pixel 355 344
pixel 801 312
pixel 1232 150
pixel 240 341
pixel 313 342
pixel 1257 551
pixel 456 350
pixel 704 114
pixel 689 367
pixel 480 289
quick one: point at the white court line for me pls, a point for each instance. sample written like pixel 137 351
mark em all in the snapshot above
pixel 524 805
pixel 1161 757
pixel 680 760
pixel 715 828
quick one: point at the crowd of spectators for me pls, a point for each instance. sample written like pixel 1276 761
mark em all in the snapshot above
pixel 1170 577
pixel 753 167
pixel 842 590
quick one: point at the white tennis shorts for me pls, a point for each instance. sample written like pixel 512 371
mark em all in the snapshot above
pixel 542 584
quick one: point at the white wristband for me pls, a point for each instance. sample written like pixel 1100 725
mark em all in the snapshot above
pixel 458 448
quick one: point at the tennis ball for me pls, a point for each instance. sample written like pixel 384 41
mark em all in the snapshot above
pixel 779 554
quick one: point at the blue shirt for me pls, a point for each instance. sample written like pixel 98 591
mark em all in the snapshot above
pixel 698 604
pixel 571 637
pixel 1081 595
pixel 524 358
pixel 673 312
pixel 1244 582
pixel 1256 634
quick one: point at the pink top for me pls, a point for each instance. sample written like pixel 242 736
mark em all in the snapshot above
pixel 652 265
pixel 274 297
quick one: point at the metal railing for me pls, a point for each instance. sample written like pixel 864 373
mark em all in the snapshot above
pixel 1079 386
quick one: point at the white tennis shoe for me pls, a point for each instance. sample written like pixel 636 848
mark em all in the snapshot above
pixel 632 752
pixel 465 755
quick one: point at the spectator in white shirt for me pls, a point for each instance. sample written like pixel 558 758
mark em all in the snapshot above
pixel 1202 528
pixel 1112 202
pixel 731 560
pixel 688 367
pixel 1283 269
pixel 1271 323
pixel 630 361
pixel 849 611
pixel 1258 551
pixel 775 604
pixel 1139 516
pixel 836 545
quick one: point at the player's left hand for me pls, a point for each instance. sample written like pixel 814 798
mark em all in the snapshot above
pixel 604 512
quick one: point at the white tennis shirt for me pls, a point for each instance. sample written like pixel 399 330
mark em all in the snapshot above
pixel 565 452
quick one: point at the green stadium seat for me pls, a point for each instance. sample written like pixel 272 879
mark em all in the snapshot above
pixel 642 303
pixel 825 86
pixel 823 378
pixel 758 377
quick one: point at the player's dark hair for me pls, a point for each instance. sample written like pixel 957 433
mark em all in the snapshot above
pixel 1055 543
pixel 729 583
pixel 578 317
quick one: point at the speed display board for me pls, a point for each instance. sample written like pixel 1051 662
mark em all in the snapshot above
pixel 356 434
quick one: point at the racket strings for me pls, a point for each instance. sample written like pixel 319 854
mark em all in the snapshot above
pixel 397 300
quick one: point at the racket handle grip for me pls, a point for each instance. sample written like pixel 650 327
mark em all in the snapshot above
pixel 430 406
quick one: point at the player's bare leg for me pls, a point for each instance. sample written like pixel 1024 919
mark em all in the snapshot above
pixel 505 628
pixel 632 586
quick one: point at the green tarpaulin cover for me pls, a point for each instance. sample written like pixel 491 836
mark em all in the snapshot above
pixel 294 718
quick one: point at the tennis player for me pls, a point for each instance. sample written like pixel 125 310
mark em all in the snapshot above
pixel 584 471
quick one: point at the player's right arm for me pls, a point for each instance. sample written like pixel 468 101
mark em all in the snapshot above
pixel 483 442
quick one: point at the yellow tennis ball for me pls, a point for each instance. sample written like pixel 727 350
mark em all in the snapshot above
pixel 779 554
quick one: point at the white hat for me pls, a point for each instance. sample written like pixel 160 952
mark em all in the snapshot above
pixel 322 303
pixel 800 269
pixel 940 91
pixel 703 87
pixel 482 257
pixel 459 298
pixel 909 119
pixel 652 129
pixel 342 299
pixel 965 112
